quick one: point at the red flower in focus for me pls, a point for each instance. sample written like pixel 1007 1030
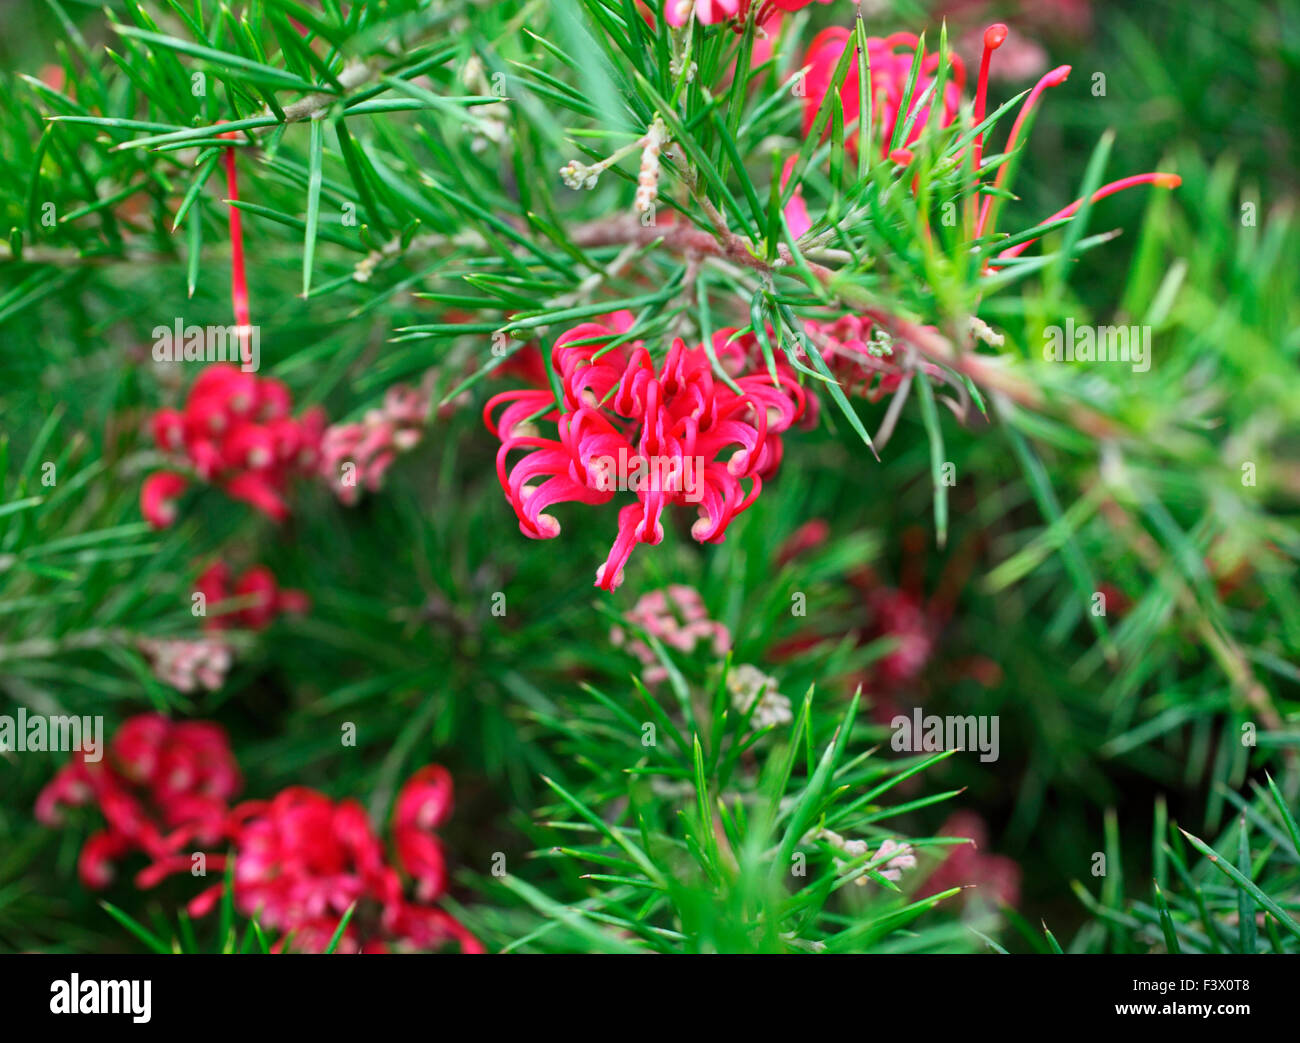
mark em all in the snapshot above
pixel 258 585
pixel 994 878
pixel 660 432
pixel 162 788
pixel 236 433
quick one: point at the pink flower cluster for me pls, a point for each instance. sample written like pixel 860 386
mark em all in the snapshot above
pixel 187 665
pixel 301 859
pixel 356 455
pixel 235 432
pixel 162 788
pixel 677 617
pixel 659 431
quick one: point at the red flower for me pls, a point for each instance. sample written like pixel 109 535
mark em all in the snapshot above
pixel 708 12
pixel 661 432
pixel 891 61
pixel 994 878
pixel 860 357
pixel 235 431
pixel 258 585
pixel 301 859
pixel 161 787
pixel 424 803
pixel 158 497
pixel 890 67
pixel 796 210
pixel 902 617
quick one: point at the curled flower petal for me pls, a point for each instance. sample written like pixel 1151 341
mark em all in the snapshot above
pixel 158 497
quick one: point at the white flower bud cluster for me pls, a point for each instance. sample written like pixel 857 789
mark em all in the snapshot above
pixel 579 176
pixel 675 68
pixel 746 684
pixel 647 182
pixel 890 859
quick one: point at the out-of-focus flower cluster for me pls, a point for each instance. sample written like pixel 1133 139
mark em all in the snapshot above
pixel 677 617
pixel 301 859
pixel 257 586
pixel 861 356
pixel 235 432
pixel 994 879
pixel 188 665
pixel 356 455
pixel 750 688
pixel 162 787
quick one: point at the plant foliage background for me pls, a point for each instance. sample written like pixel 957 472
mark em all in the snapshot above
pixel 444 635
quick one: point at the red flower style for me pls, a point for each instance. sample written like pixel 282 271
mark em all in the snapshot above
pixel 162 787
pixel 237 433
pixel 301 859
pixel 659 431
pixel 258 586
pixel 891 61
